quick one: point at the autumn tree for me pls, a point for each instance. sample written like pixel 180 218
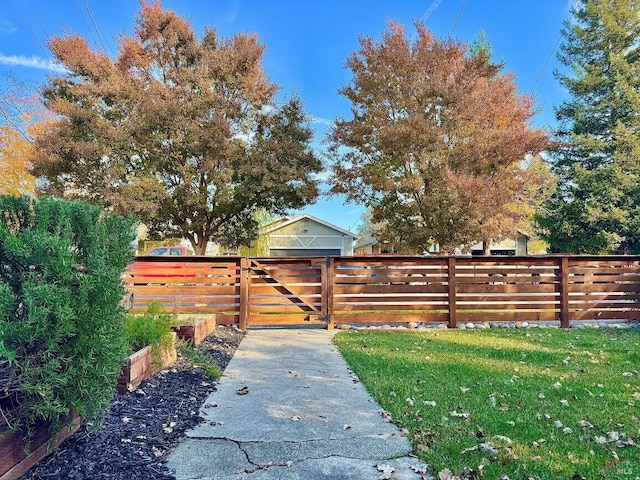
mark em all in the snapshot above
pixel 437 142
pixel 21 118
pixel 184 132
pixel 596 208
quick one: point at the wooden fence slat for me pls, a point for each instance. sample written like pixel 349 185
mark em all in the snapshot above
pixel 245 292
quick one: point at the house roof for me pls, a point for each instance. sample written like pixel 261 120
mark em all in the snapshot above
pixel 284 221
pixel 366 242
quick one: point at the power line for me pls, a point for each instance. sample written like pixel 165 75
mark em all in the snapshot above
pixel 37 18
pixel 546 63
pixel 455 24
pixel 24 20
pixel 553 50
pixel 89 29
pixel 96 26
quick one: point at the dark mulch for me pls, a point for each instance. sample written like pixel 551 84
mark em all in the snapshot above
pixel 142 427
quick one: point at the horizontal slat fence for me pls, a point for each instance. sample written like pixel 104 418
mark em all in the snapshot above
pixel 186 285
pixel 390 289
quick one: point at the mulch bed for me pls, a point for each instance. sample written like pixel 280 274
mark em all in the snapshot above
pixel 143 426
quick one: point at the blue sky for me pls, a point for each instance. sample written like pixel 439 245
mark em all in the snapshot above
pixel 307 43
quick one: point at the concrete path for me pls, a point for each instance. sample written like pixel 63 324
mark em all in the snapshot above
pixel 288 408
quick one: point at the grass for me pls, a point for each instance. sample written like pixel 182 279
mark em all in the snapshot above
pixel 539 403
pixel 199 357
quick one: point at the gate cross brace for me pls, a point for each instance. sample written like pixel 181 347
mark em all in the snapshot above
pixel 290 289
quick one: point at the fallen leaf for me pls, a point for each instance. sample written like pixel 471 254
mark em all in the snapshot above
pixel 488 448
pixel 410 401
pixel 430 403
pixel 419 468
pixel 541 396
pixel 386 471
pixel 585 424
pixel 464 389
pixel 600 440
pixel 287 464
pixel 558 424
pixel 470 449
pixel 296 418
pixel 460 414
pixel 156 451
pixel 564 403
pixel 445 475
pixel 501 438
pixel 625 443
pixel 126 419
pixel 243 391
pixel 567 430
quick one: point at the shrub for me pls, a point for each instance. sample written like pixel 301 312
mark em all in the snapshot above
pixel 62 339
pixel 150 328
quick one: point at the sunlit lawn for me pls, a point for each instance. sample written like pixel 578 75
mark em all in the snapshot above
pixel 539 403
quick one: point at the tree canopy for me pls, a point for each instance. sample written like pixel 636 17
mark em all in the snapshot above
pixel 438 142
pixel 184 132
pixel 21 119
pixel 596 208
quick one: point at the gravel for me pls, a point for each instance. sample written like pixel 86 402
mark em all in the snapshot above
pixel 143 426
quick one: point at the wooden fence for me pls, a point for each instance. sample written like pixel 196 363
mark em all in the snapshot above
pixel 390 289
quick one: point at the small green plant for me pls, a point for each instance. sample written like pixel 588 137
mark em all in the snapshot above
pixel 150 328
pixel 199 357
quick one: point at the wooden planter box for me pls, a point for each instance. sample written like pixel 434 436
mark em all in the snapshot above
pixel 198 330
pixel 140 366
pixel 15 461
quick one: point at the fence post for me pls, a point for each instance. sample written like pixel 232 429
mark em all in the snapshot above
pixel 245 280
pixel 564 292
pixel 328 282
pixel 451 281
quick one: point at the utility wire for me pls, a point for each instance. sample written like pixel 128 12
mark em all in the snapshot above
pixel 37 19
pixel 546 63
pixel 89 29
pixel 97 28
pixel 553 50
pixel 455 24
pixel 24 20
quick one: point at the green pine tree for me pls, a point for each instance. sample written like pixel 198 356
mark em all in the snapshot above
pixel 596 209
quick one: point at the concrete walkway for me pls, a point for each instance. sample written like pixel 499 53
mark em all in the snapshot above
pixel 288 408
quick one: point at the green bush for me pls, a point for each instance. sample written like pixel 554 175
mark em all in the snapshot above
pixel 150 328
pixel 62 340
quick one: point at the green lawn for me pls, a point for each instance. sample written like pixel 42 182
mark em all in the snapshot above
pixel 539 403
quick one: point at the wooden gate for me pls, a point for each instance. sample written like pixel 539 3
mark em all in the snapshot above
pixel 284 291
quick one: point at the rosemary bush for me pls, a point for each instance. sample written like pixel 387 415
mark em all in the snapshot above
pixel 62 339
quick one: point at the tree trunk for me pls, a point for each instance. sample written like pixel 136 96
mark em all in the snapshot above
pixel 486 249
pixel 199 244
